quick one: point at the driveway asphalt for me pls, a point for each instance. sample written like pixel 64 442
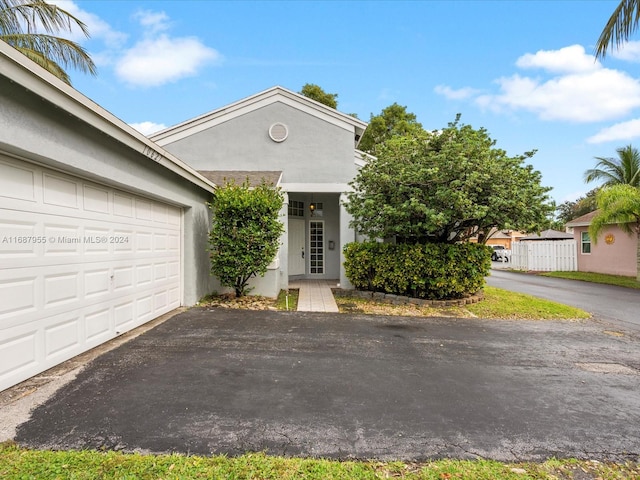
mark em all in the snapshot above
pixel 617 305
pixel 354 386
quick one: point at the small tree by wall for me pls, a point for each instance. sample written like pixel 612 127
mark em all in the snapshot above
pixel 245 235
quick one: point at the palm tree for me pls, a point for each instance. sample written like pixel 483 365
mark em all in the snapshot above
pixel 622 23
pixel 618 204
pixel 622 170
pixel 19 21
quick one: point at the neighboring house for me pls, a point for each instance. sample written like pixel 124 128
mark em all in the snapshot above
pixel 302 146
pixel 101 230
pixel 547 235
pixel 504 238
pixel 615 252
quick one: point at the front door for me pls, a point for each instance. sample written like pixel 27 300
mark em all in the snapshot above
pixel 296 247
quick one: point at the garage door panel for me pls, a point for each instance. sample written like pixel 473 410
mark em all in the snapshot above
pixel 19 356
pixel 123 205
pixel 21 298
pixel 61 239
pixel 97 326
pixel 17 181
pixel 60 191
pixel 123 278
pixel 96 199
pixel 97 282
pixel 62 337
pixel 144 210
pixel 61 288
pixel 80 263
pixel 124 315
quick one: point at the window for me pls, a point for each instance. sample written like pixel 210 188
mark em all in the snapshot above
pixel 296 209
pixel 316 246
pixel 585 240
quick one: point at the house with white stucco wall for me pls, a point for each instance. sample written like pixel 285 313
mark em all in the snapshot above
pixel 306 148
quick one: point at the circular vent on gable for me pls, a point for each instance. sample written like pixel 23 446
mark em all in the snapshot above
pixel 278 132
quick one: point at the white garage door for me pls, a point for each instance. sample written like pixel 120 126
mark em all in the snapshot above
pixel 80 263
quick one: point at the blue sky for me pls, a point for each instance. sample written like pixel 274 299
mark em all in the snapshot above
pixel 524 70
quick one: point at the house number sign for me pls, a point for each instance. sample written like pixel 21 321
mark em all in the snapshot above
pixel 609 239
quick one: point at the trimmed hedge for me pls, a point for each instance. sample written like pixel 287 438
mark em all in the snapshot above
pixel 436 271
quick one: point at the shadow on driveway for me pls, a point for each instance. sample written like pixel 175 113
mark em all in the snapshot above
pixel 332 385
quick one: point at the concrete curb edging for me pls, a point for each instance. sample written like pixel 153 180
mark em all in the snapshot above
pixel 401 300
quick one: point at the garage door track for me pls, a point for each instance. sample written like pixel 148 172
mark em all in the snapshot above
pixel 332 385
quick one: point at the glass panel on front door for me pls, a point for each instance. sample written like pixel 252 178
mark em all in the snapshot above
pixel 316 247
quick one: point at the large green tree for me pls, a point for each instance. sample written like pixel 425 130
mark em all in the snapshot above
pixel 393 121
pixel 446 186
pixel 21 25
pixel 245 232
pixel 622 23
pixel 315 92
pixel 613 171
pixel 618 204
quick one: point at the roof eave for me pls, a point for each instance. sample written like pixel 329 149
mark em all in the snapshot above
pixel 19 69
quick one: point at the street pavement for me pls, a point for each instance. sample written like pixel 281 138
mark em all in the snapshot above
pixel 354 386
pixel 616 305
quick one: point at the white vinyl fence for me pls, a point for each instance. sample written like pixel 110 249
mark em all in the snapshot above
pixel 545 256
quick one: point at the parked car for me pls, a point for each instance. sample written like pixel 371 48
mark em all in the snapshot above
pixel 500 253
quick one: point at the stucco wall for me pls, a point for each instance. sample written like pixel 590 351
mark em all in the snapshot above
pixel 315 151
pixel 617 258
pixel 35 130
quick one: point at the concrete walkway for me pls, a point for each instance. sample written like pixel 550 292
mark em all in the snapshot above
pixel 315 295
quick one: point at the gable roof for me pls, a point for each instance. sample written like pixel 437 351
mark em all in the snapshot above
pixel 548 235
pixel 254 102
pixel 583 221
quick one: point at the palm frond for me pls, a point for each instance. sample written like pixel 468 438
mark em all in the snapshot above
pixel 57 49
pixel 622 170
pixel 622 23
pixel 16 15
pixel 618 204
pixel 45 63
pixel 21 24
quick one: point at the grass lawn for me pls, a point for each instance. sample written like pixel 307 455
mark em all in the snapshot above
pixel 17 463
pixel 628 282
pixel 497 304
pixel 513 306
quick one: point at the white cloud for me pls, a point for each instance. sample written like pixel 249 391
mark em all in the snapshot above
pixel 620 131
pixel 153 62
pixel 572 59
pixel 572 86
pixel 147 128
pixel 152 22
pixel 630 52
pixel 155 59
pixel 455 94
pixel 159 58
pixel 582 97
